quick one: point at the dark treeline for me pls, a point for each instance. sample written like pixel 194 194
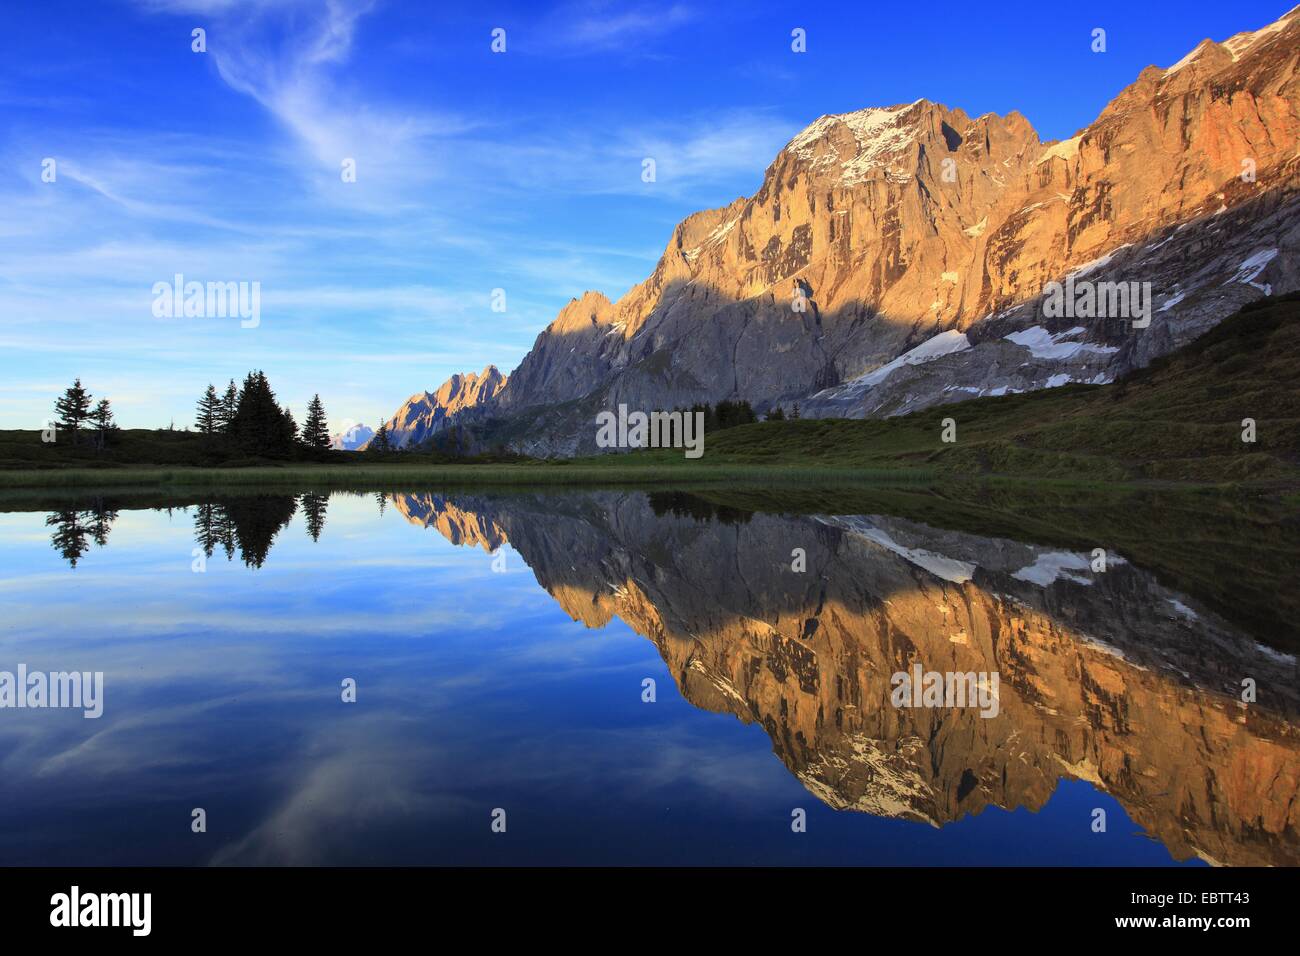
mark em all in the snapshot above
pixel 243 422
pixel 249 422
pixel 730 414
pixel 726 414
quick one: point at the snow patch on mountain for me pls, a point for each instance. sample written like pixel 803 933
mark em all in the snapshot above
pixel 942 566
pixel 1250 269
pixel 1051 566
pixel 1045 345
pixel 945 343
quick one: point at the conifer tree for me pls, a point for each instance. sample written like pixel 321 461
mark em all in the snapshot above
pixel 229 402
pixel 73 409
pixel 260 426
pixel 288 428
pixel 315 431
pixel 209 416
pixel 102 420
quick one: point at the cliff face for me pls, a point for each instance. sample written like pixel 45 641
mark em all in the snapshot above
pixel 900 224
pixel 426 413
pixel 1105 677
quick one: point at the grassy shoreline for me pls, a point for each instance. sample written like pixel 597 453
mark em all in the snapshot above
pixel 581 474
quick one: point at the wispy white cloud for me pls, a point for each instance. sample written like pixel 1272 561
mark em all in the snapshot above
pixel 600 26
pixel 286 57
pixel 693 156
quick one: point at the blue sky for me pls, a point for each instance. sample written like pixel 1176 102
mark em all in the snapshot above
pixel 475 171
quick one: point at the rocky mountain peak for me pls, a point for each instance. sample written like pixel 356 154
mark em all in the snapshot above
pixel 903 224
pixel 848 146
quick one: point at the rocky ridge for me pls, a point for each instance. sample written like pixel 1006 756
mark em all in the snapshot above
pixel 426 413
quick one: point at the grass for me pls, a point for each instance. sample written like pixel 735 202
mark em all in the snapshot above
pixel 406 476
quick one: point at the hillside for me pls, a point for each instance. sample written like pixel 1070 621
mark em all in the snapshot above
pixel 1178 419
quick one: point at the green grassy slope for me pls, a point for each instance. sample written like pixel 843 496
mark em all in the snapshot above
pixel 1180 419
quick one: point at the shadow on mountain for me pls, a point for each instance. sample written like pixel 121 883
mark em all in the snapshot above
pixel 700 345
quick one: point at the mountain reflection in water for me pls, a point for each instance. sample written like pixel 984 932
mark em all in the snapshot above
pixel 1105 677
pixel 1108 677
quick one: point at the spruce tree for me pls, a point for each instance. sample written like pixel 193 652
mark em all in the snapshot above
pixel 209 417
pixel 380 442
pixel 229 402
pixel 315 430
pixel 102 419
pixel 73 409
pixel 288 428
pixel 260 426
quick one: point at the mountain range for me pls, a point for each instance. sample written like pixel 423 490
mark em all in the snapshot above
pixel 899 258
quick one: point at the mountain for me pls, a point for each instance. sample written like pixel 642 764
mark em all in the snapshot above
pixel 921 242
pixel 353 439
pixel 426 413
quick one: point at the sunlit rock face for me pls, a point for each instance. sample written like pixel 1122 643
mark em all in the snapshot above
pixel 425 414
pixel 1105 676
pixel 905 223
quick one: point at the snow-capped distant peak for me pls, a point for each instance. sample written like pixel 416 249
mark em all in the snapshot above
pixel 351 439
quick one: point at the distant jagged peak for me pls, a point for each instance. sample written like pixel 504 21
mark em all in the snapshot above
pixel 425 413
pixel 467 388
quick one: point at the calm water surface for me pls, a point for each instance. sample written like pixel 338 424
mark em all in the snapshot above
pixel 501 645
